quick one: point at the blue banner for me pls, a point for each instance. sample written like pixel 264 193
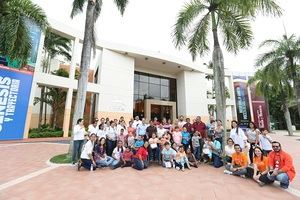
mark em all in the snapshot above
pixel 15 86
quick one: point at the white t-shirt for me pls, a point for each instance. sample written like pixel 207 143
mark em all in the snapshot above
pixel 111 133
pixel 119 127
pixel 118 153
pixel 160 132
pixel 251 134
pixel 238 138
pixel 92 129
pixel 78 132
pixel 264 142
pixel 229 150
pixel 136 123
pixel 101 133
pixel 87 149
pixel 181 123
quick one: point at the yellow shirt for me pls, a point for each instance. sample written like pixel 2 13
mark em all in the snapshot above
pixel 261 164
pixel 240 159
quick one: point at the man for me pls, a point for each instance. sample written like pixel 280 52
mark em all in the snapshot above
pixel 211 126
pixel 239 163
pixel 199 126
pixel 141 129
pixel 87 161
pixel 151 129
pixel 136 122
pixel 181 122
pixel 281 166
pixel 188 125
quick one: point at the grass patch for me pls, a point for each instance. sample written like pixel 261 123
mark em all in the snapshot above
pixel 61 159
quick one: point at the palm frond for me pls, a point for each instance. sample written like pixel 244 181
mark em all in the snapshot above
pixel 270 43
pixel 265 57
pixel 77 7
pixel 121 5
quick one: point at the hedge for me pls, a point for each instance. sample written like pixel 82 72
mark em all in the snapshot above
pixel 46 134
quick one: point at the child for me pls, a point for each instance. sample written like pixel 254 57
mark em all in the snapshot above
pixel 140 142
pixel 207 151
pixel 126 157
pixel 154 147
pixel 196 145
pixel 177 137
pixel 121 137
pixel 186 137
pixel 181 160
pixel 191 158
pixel 168 155
pixel 130 139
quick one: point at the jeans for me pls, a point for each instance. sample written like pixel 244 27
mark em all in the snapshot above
pixel 251 151
pixel 105 163
pixel 283 178
pixel 77 147
pixel 186 146
pixel 139 165
pixel 238 172
pixel 154 154
pixel 86 163
pixel 181 165
pixel 197 153
pixel 116 163
pixel 110 145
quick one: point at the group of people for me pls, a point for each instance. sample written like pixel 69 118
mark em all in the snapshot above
pixel 181 145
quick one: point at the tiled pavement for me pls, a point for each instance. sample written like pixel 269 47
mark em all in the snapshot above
pixel 153 183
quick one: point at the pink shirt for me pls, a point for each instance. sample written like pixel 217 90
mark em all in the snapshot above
pixel 177 137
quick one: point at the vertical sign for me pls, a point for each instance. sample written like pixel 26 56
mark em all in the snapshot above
pixel 242 103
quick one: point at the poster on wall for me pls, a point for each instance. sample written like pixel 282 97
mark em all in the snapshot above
pixel 242 103
pixel 15 88
pixel 260 110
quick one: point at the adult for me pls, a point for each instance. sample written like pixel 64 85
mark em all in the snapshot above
pixel 160 131
pixel 219 131
pixel 136 122
pixel 93 128
pixel 130 129
pixel 165 124
pixel 87 160
pixel 210 126
pixel 215 146
pixel 111 136
pixel 100 156
pixel 281 166
pixel 265 141
pixel 188 125
pixel 229 150
pixel 78 140
pixel 252 134
pixel 101 132
pixel 141 129
pixel 151 129
pixel 155 121
pixel 239 163
pixel 140 158
pixel 181 121
pixel 238 135
pixel 122 125
pixel 199 126
pixel 116 155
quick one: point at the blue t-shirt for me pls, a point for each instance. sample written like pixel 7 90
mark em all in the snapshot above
pixel 141 129
pixel 217 146
pixel 139 143
pixel 186 137
pixel 167 154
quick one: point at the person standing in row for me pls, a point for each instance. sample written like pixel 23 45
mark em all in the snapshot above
pixel 238 135
pixel 111 136
pixel 252 134
pixel 78 140
pixel 200 127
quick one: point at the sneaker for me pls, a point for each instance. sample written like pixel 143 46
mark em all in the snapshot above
pixel 284 186
pixel 227 172
pixel 177 168
pixel 243 176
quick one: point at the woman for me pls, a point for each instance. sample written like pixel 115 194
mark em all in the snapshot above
pixel 219 131
pixel 130 129
pixel 238 164
pixel 101 132
pixel 154 148
pixel 265 142
pixel 102 160
pixel 260 166
pixel 87 159
pixel 140 158
pixel 252 135
pixel 238 135
pixel 181 161
pixel 229 150
pixel 78 140
pixel 93 128
pixel 116 155
pixel 111 136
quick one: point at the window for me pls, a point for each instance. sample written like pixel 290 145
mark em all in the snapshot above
pixel 154 91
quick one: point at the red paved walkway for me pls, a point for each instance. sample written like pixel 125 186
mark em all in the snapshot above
pixel 203 183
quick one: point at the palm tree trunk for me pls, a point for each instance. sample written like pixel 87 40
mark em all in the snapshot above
pixel 287 117
pixel 84 66
pixel 219 80
pixel 41 107
pixel 297 93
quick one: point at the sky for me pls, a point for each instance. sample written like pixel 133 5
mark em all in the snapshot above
pixel 147 24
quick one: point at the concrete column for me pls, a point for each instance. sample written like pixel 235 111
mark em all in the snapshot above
pixel 67 113
pixel 34 86
pixel 73 59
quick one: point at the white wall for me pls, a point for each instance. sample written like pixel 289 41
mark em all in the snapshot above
pixel 117 82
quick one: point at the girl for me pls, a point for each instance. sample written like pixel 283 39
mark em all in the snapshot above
pixel 126 157
pixel 130 139
pixel 252 135
pixel 207 151
pixel 154 147
pixel 177 137
pixel 116 155
pixel 191 158
pixel 102 160
pixel 229 150
pixel 181 160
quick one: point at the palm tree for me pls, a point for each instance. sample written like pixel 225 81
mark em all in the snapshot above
pixel 231 17
pixel 286 53
pixel 15 15
pixel 273 80
pixel 89 42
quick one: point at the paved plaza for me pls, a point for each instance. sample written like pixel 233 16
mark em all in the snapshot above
pixel 25 174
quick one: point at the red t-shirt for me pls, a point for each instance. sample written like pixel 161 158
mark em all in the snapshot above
pixel 142 153
pixel 201 127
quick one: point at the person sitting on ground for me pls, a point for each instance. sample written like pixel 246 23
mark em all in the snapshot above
pixel 260 166
pixel 100 157
pixel 196 145
pixel 127 157
pixel 207 150
pixel 229 150
pixel 281 166
pixel 154 148
pixel 116 155
pixel 215 147
pixel 140 158
pixel 191 158
pixel 86 159
pixel 181 161
pixel 265 142
pixel 139 142
pixel 168 155
pixel 186 137
pixel 239 163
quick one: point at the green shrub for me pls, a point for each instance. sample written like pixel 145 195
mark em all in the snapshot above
pixel 61 159
pixel 45 134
